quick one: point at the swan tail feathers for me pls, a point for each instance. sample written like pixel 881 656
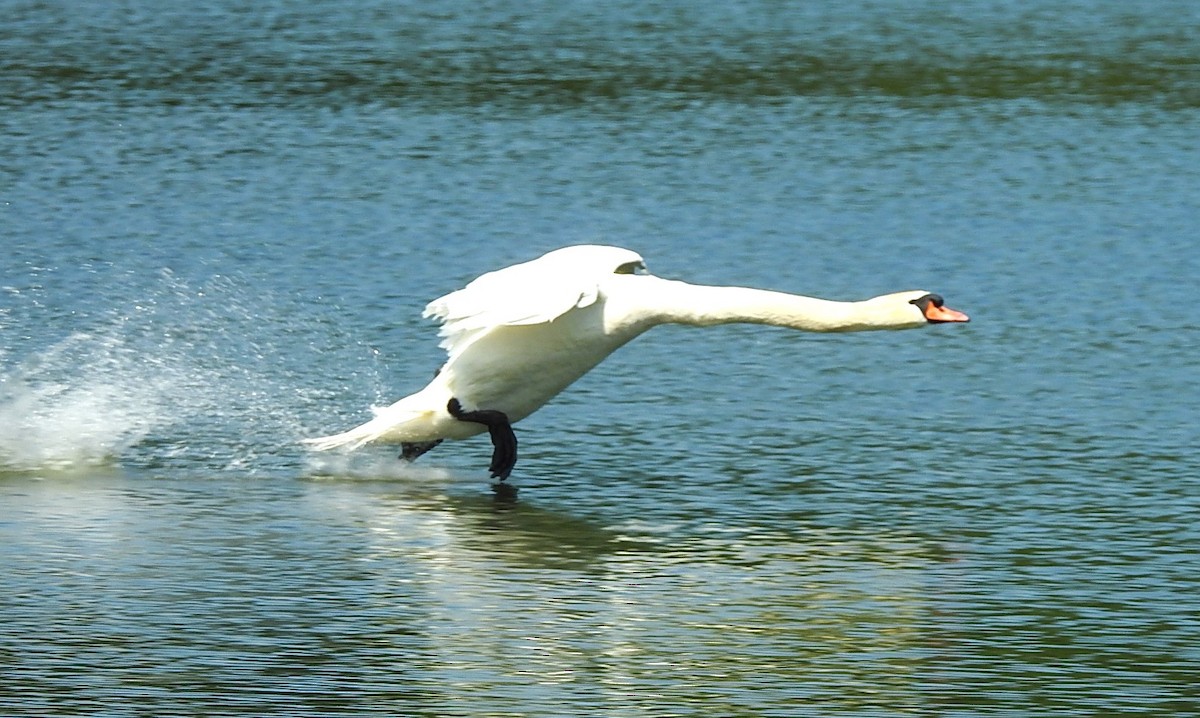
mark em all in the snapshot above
pixel 392 424
pixel 353 439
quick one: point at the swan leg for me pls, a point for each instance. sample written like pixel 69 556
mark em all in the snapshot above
pixel 504 441
pixel 410 451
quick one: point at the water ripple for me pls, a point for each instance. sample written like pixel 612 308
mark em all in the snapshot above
pixel 505 57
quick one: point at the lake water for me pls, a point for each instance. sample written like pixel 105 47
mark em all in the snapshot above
pixel 220 223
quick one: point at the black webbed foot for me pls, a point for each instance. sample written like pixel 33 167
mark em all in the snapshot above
pixel 504 441
pixel 410 451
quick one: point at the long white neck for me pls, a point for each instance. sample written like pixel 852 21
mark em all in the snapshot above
pixel 640 302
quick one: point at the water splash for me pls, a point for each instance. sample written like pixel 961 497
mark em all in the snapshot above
pixel 82 401
pixel 378 466
pixel 114 379
pixel 175 375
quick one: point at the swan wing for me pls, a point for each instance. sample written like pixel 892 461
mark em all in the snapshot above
pixel 513 296
pixel 534 292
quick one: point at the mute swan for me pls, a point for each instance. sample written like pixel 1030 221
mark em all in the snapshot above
pixel 518 336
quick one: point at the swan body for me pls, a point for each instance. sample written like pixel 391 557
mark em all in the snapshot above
pixel 518 336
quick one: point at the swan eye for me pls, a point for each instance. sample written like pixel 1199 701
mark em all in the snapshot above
pixel 631 268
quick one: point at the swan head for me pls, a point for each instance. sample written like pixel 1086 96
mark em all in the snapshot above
pixel 906 310
pixel 925 307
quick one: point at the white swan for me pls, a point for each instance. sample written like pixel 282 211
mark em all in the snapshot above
pixel 518 336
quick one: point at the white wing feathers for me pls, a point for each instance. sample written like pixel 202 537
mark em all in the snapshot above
pixel 533 292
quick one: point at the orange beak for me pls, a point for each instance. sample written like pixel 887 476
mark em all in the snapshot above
pixel 943 313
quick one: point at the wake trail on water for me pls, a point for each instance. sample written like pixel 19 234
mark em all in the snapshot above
pixel 178 377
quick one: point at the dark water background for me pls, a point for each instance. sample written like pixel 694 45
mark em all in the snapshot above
pixel 219 225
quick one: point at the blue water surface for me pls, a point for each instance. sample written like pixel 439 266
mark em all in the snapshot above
pixel 220 224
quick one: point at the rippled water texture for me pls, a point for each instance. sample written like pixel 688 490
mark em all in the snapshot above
pixel 220 222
